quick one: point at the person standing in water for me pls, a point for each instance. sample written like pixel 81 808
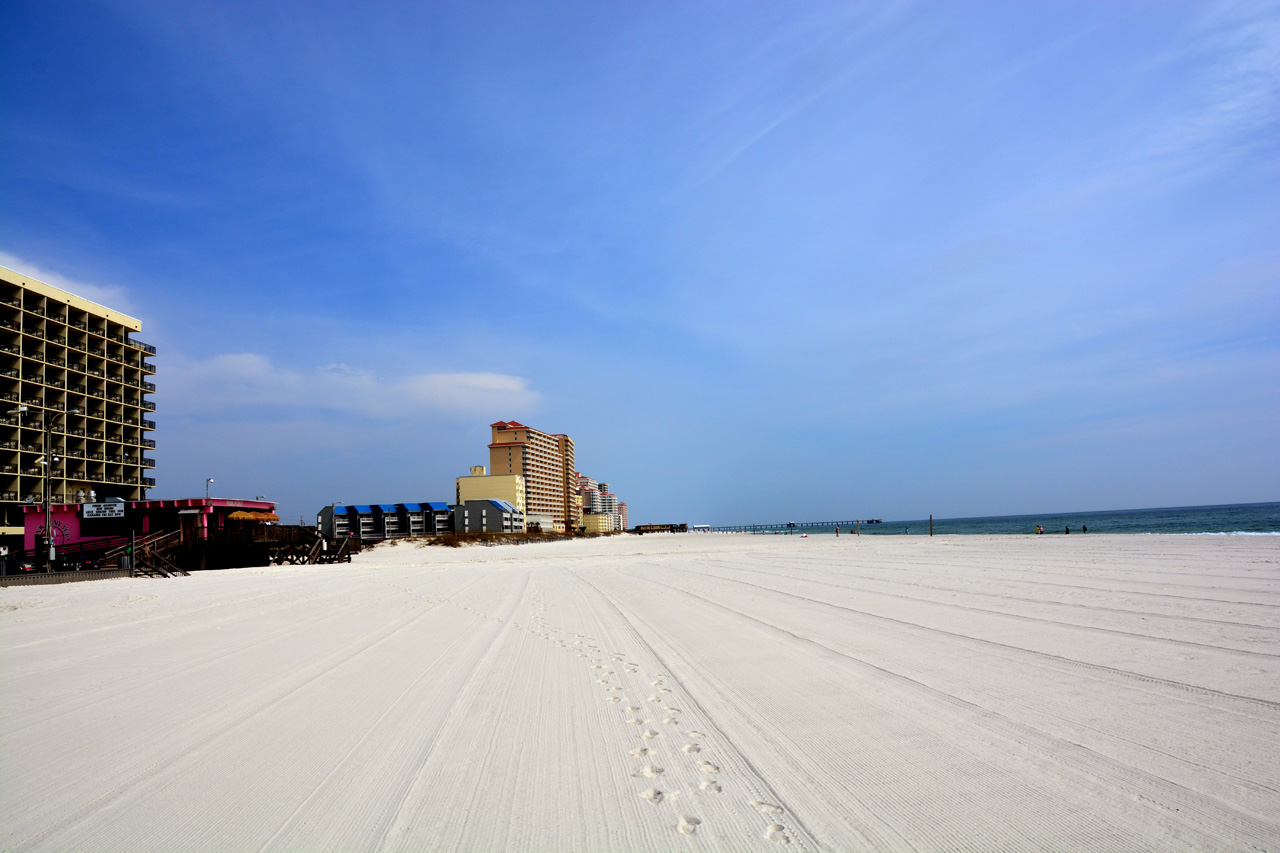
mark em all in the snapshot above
pixel 1068 528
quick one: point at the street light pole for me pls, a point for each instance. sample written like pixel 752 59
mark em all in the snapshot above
pixel 207 481
pixel 48 498
pixel 50 554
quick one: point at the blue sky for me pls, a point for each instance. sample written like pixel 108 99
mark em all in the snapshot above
pixel 762 261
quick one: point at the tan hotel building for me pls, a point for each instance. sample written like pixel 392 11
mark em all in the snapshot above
pixel 83 377
pixel 546 463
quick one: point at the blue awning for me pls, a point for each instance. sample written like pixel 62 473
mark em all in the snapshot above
pixel 338 509
pixel 411 507
pixel 387 507
pixel 363 510
pixel 438 505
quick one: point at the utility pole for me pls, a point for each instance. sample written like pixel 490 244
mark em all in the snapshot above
pixel 48 497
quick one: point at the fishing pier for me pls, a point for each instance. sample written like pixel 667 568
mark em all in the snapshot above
pixel 792 526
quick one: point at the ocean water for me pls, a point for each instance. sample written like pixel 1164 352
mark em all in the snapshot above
pixel 1230 519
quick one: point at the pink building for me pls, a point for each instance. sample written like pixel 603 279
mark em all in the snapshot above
pixel 199 519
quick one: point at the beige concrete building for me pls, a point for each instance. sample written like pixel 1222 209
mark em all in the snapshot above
pixel 84 379
pixel 480 486
pixel 547 465
pixel 594 522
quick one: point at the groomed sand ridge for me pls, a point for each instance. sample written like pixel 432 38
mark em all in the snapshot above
pixel 658 693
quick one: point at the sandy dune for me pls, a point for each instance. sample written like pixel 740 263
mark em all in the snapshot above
pixel 658 693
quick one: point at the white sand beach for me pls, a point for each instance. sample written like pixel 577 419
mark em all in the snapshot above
pixel 700 692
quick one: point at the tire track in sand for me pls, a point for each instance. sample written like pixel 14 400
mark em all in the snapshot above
pixel 749 775
pixel 1205 815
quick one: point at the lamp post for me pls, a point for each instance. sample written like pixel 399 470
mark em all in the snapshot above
pixel 48 459
pixel 207 481
pixel 50 554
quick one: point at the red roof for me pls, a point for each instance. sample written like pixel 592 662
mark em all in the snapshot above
pixel 509 425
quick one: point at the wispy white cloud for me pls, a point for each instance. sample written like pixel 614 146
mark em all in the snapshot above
pixel 108 296
pixel 1238 92
pixel 232 382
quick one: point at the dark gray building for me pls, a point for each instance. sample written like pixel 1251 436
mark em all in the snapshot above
pixel 487 516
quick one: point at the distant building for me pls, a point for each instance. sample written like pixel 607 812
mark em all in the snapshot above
pixel 480 486
pixel 598 500
pixel 83 382
pixel 600 522
pixel 546 463
pixel 622 514
pixel 384 521
pixel 487 516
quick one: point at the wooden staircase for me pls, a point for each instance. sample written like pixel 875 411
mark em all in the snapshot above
pixel 149 558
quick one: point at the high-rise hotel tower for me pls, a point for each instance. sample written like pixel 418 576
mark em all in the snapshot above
pixel 546 463
pixel 83 380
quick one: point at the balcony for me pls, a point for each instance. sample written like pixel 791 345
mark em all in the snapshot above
pixel 148 442
pixel 147 461
pixel 149 406
pixel 147 348
pixel 146 424
pixel 149 482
